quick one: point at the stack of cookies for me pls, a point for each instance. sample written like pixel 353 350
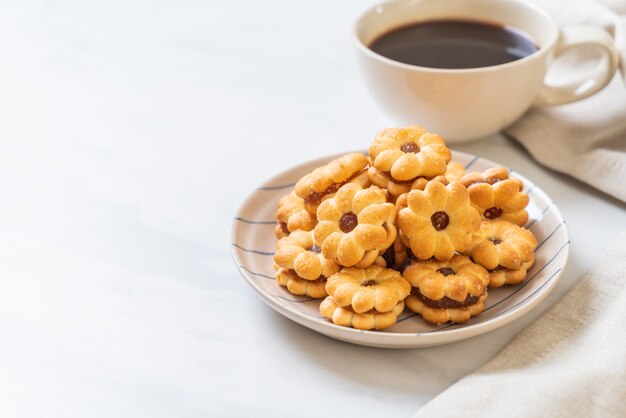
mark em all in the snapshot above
pixel 402 226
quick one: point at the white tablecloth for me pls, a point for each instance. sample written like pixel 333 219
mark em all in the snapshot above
pixel 129 135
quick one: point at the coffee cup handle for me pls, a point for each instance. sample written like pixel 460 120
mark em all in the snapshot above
pixel 572 37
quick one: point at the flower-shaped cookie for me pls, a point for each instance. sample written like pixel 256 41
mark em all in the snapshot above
pixel 495 195
pixel 298 252
pixel 454 171
pixel 324 181
pixel 356 225
pixel 451 290
pixel 301 287
pixel 346 317
pixel 394 257
pixel 291 215
pixel 490 176
pixel 396 187
pixel 455 279
pixel 407 153
pixel 500 276
pixel 438 220
pixel 438 316
pixel 374 287
pixel 501 243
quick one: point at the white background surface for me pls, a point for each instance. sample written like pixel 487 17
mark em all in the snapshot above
pixel 129 135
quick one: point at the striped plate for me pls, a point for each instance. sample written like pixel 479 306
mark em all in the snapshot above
pixel 253 247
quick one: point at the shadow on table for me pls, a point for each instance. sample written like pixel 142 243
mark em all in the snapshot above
pixel 422 372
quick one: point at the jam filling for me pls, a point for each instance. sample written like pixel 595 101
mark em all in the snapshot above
pixel 390 177
pixel 495 241
pixel 490 180
pixel 369 283
pixel 314 198
pixel 446 271
pixel 409 260
pixel 445 302
pixel 284 228
pixel 389 256
pixel 492 213
pixel 440 220
pixel 408 147
pixel 348 222
pixel 314 249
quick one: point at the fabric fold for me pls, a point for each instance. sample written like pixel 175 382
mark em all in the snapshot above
pixel 585 139
pixel 570 362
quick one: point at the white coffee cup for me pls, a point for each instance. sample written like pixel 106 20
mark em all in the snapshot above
pixel 465 104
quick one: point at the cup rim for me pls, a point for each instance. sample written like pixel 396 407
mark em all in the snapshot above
pixel 535 55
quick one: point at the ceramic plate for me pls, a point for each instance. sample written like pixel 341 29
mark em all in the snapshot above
pixel 253 247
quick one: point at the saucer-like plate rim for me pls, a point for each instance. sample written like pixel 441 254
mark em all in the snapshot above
pixel 397 339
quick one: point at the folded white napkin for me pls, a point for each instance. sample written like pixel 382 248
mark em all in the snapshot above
pixel 570 363
pixel 585 139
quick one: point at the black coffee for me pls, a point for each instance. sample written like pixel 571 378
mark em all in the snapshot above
pixel 454 44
